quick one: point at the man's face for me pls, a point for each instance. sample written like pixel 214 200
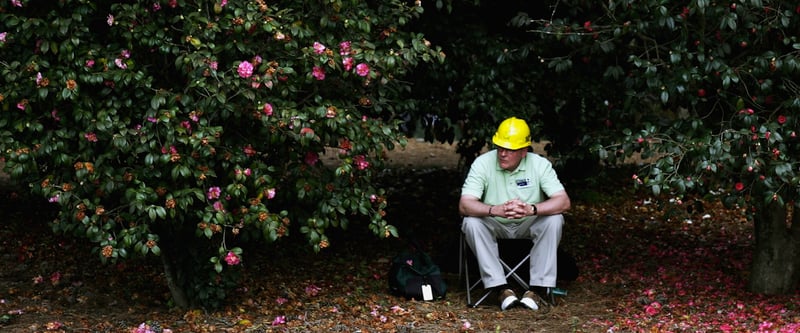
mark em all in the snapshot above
pixel 509 159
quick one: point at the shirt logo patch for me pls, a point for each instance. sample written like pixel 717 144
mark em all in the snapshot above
pixel 523 182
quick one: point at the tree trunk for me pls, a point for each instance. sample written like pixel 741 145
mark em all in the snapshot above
pixel 775 257
pixel 178 295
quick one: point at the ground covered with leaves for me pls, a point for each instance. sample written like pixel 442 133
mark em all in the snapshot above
pixel 646 265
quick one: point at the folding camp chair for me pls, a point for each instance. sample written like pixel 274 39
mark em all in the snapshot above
pixel 463 268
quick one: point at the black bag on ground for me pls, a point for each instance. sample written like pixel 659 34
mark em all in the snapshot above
pixel 413 274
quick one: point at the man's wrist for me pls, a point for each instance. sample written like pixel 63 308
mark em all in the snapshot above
pixel 490 210
pixel 534 210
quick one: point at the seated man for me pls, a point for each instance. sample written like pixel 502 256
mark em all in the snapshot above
pixel 512 193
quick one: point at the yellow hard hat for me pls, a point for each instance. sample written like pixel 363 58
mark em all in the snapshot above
pixel 513 133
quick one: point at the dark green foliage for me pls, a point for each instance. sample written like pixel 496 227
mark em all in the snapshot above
pixel 146 120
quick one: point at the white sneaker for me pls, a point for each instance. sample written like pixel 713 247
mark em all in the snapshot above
pixel 527 300
pixel 507 299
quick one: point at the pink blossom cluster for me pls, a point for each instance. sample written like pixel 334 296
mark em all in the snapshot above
pixel 346 51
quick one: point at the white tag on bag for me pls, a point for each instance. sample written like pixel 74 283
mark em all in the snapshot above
pixel 427 292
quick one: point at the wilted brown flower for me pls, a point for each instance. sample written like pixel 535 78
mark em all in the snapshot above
pixel 107 251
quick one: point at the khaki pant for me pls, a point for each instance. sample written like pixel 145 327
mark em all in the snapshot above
pixel 481 234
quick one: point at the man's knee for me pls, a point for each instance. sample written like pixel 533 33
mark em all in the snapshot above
pixel 470 225
pixel 556 221
pixel 552 224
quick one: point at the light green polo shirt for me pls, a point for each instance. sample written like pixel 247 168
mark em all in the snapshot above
pixel 533 181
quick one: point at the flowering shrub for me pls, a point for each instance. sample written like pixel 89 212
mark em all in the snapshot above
pixel 182 128
pixel 707 94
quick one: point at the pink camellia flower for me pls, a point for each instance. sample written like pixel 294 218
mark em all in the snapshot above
pixel 187 125
pixel 55 278
pixel 319 48
pixel 91 137
pixel 306 131
pixel 279 320
pixel 344 48
pixel 653 309
pixel 311 158
pixel 781 119
pixel 362 69
pixel 126 54
pixel 361 162
pixel 120 63
pixel 318 73
pixel 268 109
pixel 281 300
pixel 223 3
pixel 739 186
pixel 55 116
pixel 213 192
pixel 348 63
pixel 245 69
pixel 271 193
pixel 232 259
pixel 249 151
pixel 90 63
pixel 218 206
pixel 312 290
pixel 3 36
pixel 110 20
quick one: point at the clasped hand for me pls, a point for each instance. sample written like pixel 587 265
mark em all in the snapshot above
pixel 515 209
